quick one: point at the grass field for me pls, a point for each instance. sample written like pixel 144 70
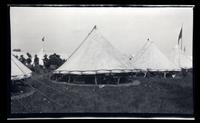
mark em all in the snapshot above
pixel 150 96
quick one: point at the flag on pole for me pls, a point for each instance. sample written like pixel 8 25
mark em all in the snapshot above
pixel 180 36
pixel 43 39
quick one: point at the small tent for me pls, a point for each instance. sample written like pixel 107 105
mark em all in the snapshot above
pixel 19 70
pixel 95 55
pixel 180 59
pixel 150 58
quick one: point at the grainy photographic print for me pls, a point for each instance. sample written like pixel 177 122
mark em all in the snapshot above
pixel 101 60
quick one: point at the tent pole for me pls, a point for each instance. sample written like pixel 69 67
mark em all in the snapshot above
pixel 164 74
pixel 135 74
pixel 95 79
pixel 145 74
pixel 118 80
pixel 69 78
pixel 62 77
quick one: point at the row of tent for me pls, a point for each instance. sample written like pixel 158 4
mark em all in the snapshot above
pixel 96 55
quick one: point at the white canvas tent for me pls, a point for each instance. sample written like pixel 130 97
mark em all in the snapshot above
pixel 150 58
pixel 180 59
pixel 95 55
pixel 19 70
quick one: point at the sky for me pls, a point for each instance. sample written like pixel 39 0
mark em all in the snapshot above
pixel 127 29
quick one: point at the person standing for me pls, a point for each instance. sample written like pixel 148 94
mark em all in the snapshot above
pixel 22 59
pixel 28 61
pixel 36 64
pixel 45 61
pixel 36 60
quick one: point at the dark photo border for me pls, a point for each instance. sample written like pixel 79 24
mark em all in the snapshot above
pixel 6 46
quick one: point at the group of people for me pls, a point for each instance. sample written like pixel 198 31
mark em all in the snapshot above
pixel 35 65
pixel 25 61
pixel 28 61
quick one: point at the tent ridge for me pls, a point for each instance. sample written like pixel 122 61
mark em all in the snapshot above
pixel 83 41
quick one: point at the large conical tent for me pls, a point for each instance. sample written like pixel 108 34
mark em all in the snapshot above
pixel 150 58
pixel 180 59
pixel 95 55
pixel 19 70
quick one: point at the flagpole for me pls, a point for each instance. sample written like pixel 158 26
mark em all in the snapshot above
pixel 43 43
pixel 179 57
pixel 43 53
pixel 182 38
pixel 180 47
pixel 178 51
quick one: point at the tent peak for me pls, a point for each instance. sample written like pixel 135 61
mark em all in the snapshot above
pixel 149 41
pixel 95 27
